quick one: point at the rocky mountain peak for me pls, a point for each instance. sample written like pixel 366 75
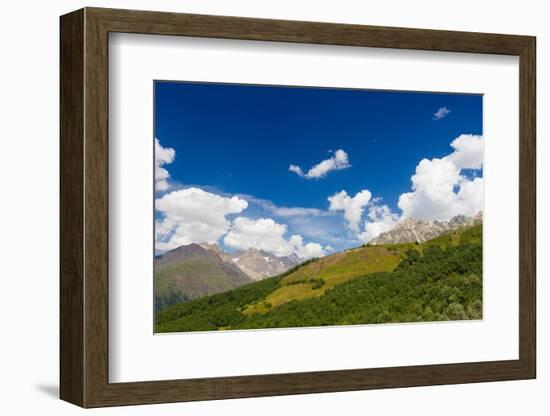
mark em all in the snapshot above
pixel 213 247
pixel 256 263
pixel 179 253
pixel 259 264
pixel 411 230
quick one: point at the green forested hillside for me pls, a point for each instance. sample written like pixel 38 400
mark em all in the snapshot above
pixel 438 280
pixel 189 272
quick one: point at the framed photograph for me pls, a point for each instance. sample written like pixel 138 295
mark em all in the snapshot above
pixel 255 207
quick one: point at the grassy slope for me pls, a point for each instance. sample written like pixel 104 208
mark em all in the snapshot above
pixel 315 278
pixel 196 276
pixel 355 286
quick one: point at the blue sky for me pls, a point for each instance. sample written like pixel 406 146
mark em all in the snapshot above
pixel 240 140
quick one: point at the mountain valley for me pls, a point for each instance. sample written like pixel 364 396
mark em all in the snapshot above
pixel 435 280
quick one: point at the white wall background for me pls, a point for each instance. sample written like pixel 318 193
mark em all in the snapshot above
pixel 29 225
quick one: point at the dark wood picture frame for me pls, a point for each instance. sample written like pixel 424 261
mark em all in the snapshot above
pixel 84 207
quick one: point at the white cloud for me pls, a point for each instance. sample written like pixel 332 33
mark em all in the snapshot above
pixel 439 190
pixel 163 156
pixel 470 196
pixel 442 112
pixel 312 223
pixel 297 170
pixel 194 216
pixel 337 162
pixel 468 152
pixel 305 251
pixel 380 219
pixel 352 207
pixel 265 234
pixel 285 212
pixel 288 212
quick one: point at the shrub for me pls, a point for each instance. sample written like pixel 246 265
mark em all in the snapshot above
pixel 456 312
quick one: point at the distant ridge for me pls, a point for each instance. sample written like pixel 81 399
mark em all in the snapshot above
pixel 195 270
pixel 418 231
pixel 192 271
pixel 256 264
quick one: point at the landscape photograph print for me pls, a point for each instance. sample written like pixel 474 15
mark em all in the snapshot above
pixel 288 207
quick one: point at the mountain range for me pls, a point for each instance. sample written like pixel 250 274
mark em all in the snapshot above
pixel 418 231
pixel 256 264
pixel 437 280
pixel 196 270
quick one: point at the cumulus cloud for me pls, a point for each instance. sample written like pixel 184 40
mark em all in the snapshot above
pixel 442 112
pixel 468 152
pixel 265 234
pixel 313 224
pixel 440 190
pixel 163 156
pixel 306 251
pixel 353 207
pixel 193 215
pixel 380 219
pixel 337 162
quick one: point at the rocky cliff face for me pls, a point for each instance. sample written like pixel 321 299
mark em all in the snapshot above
pixel 411 231
pixel 258 264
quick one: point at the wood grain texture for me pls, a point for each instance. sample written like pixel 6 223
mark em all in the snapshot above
pixel 528 208
pixel 162 23
pixel 71 184
pixel 84 207
pixel 96 208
